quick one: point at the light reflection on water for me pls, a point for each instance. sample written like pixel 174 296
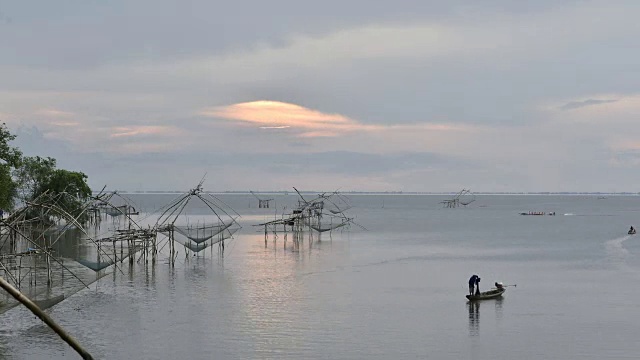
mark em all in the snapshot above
pixel 395 291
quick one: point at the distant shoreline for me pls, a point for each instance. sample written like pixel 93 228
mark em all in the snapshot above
pixel 383 193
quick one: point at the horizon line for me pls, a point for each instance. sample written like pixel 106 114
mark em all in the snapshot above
pixel 379 192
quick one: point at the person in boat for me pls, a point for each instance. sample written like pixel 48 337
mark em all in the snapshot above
pixel 473 282
pixel 499 285
pixel 632 230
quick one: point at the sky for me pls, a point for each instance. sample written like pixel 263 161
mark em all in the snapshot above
pixel 359 95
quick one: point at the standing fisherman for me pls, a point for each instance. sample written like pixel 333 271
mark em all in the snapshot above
pixel 473 282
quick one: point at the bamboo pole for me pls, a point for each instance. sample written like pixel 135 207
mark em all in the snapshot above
pixel 154 249
pixel 49 279
pixel 45 317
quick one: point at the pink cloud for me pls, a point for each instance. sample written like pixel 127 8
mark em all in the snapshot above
pixel 309 123
pixel 54 113
pixel 127 131
pixel 281 115
pixel 65 123
pixel 311 134
pixel 625 145
pixel 275 127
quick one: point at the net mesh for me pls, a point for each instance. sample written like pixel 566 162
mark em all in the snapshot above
pixel 200 234
pixel 197 247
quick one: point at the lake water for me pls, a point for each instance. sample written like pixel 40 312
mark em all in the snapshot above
pixel 395 290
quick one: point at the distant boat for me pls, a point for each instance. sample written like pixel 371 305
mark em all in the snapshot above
pixel 631 232
pixel 491 294
pixel 533 213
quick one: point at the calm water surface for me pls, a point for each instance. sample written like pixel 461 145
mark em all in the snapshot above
pixel 394 291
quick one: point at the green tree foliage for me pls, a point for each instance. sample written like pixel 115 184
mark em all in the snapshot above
pixel 67 189
pixel 9 159
pixel 31 174
pixel 37 179
pixel 8 154
pixel 7 187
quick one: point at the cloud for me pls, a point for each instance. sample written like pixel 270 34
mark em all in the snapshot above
pixel 275 127
pixel 54 113
pixel 310 123
pixel 453 79
pixel 629 157
pixel 589 102
pixel 57 117
pixel 65 123
pixel 115 34
pixel 614 115
pixel 281 115
pixel 132 131
pixel 625 145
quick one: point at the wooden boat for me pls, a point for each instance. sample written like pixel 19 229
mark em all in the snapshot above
pixel 491 294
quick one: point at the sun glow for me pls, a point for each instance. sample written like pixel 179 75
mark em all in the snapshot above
pixel 281 115
pixel 128 131
pixel 308 123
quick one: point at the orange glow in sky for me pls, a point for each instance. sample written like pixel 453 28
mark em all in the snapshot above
pixel 125 131
pixel 309 123
pixel 280 115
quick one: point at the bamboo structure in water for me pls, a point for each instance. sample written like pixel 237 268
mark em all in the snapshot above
pixel 324 213
pixel 42 272
pixel 45 318
pixel 174 222
pixel 464 197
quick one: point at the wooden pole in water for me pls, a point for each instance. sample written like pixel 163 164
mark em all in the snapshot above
pixel 153 248
pixel 49 280
pixel 172 246
pixel 19 273
pixel 132 246
pixel 44 317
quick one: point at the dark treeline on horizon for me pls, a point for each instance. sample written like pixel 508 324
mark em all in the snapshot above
pixel 383 192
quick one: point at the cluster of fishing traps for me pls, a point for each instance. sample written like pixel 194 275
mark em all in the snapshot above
pixel 48 254
pixel 323 213
pixel 199 236
pixel 464 197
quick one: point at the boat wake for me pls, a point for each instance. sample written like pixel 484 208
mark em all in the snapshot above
pixel 595 215
pixel 618 254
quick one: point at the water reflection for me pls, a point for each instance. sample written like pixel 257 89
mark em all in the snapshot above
pixel 474 314
pixel 276 292
pixel 474 318
pixel 499 308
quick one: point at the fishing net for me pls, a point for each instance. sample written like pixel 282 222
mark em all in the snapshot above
pixel 330 227
pixel 200 234
pixel 197 247
pixel 66 278
pixel 114 212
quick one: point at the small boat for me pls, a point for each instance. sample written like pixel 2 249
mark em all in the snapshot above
pixel 491 294
pixel 631 232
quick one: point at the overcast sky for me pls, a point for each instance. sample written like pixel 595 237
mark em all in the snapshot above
pixel 358 95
